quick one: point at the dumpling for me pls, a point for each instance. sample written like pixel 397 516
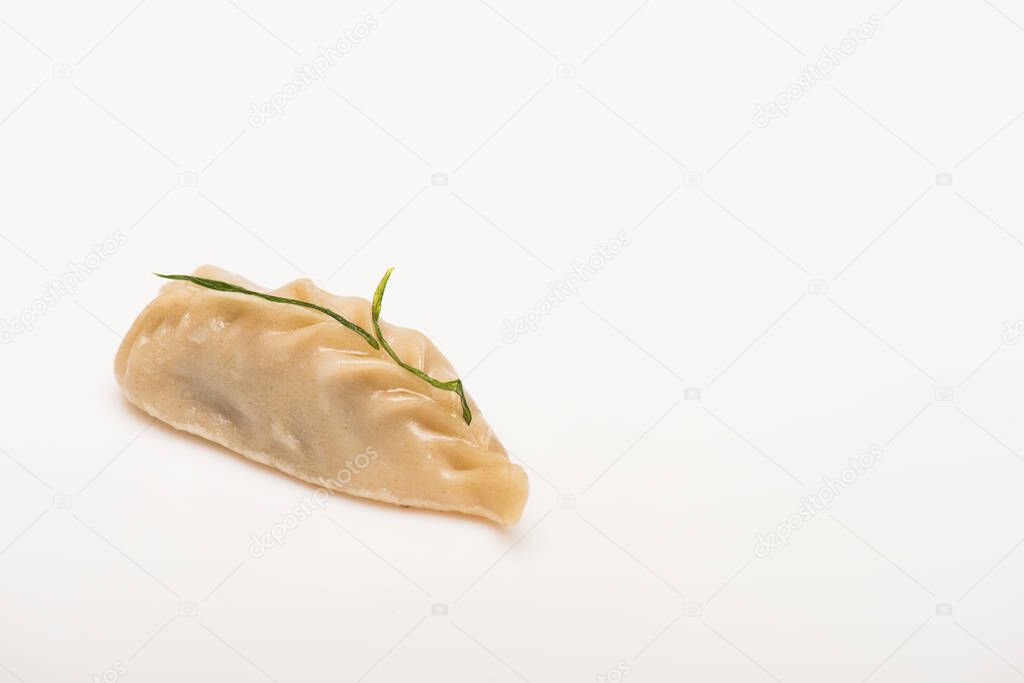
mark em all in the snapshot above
pixel 291 388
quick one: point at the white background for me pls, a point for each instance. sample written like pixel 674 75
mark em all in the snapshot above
pixel 791 296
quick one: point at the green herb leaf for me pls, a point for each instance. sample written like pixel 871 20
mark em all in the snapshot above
pixel 228 287
pixel 453 385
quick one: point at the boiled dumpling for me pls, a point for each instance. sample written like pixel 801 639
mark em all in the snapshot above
pixel 291 388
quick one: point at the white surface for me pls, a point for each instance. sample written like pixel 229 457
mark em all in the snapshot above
pixel 714 292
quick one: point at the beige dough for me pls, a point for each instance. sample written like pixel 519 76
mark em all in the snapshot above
pixel 293 389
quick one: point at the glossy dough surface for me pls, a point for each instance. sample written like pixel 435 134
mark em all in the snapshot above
pixel 293 389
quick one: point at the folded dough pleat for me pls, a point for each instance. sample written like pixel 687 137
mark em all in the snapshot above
pixel 290 388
